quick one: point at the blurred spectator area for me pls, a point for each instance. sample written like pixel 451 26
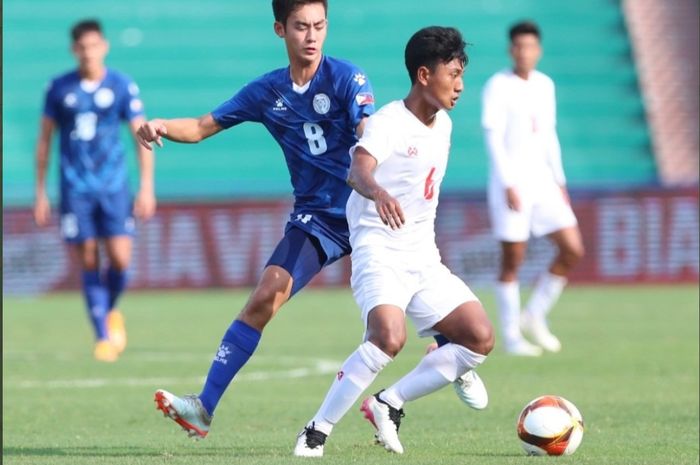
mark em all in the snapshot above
pixel 665 43
pixel 188 57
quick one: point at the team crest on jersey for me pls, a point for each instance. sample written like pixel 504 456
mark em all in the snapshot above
pixel 104 98
pixel 360 78
pixel 322 104
pixel 70 100
pixel 412 151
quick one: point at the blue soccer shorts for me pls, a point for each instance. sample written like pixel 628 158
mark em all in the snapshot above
pixel 90 215
pixel 310 243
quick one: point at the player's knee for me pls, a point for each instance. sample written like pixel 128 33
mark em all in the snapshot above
pixel 389 343
pixel 572 255
pixel 481 338
pixel 119 264
pixel 485 338
pixel 260 307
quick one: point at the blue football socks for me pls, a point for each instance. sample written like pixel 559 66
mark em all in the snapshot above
pixel 96 299
pixel 236 347
pixel 441 340
pixel 116 282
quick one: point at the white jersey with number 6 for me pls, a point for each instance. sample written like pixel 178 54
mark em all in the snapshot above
pixel 411 162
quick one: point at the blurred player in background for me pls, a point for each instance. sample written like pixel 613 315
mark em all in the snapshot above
pixel 315 109
pixel 87 106
pixel 396 171
pixel 527 190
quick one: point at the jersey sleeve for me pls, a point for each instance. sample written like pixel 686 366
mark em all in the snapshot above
pixel 243 106
pixel 359 96
pixel 493 106
pixel 494 120
pixel 132 106
pixel 376 138
pixel 51 101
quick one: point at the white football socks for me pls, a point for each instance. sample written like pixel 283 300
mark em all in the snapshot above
pixel 508 301
pixel 356 374
pixel 437 369
pixel 546 293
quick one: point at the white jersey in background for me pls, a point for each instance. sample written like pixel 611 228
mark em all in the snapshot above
pixel 411 162
pixel 519 122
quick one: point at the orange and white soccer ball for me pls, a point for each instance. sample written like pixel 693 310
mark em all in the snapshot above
pixel 550 425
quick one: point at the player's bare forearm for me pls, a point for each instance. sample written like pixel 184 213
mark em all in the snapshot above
pixel 145 156
pixel 42 161
pixel 43 147
pixel 146 169
pixel 42 209
pixel 361 178
pixel 184 130
pixel 145 202
pixel 513 198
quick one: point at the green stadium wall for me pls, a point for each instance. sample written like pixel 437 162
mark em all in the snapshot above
pixel 188 57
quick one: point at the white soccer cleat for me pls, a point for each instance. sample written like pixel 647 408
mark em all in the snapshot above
pixel 522 348
pixel 387 420
pixel 186 411
pixel 310 442
pixel 536 329
pixel 471 390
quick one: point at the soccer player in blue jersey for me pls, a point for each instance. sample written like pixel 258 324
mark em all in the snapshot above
pixel 86 106
pixel 315 109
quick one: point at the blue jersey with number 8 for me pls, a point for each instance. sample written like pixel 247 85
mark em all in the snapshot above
pixel 314 125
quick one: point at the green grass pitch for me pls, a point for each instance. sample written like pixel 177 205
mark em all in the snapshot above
pixel 630 364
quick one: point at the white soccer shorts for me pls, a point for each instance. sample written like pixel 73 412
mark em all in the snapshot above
pixel 539 215
pixel 426 292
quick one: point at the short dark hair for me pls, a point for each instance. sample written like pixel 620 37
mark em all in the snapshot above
pixel 283 8
pixel 86 25
pixel 524 27
pixel 433 45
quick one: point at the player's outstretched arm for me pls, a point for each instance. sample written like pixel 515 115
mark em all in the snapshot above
pixel 42 208
pixel 361 179
pixel 186 130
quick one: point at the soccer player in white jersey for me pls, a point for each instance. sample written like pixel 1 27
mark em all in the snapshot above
pixel 527 190
pixel 396 170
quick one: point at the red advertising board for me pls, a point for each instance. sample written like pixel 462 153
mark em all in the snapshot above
pixel 639 237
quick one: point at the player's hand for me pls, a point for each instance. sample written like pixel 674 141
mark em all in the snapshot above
pixel 42 210
pixel 565 194
pixel 145 204
pixel 513 199
pixel 151 132
pixel 389 210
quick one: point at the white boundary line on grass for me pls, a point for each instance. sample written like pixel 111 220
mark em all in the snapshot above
pixel 320 367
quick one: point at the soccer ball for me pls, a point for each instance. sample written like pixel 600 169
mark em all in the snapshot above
pixel 550 425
